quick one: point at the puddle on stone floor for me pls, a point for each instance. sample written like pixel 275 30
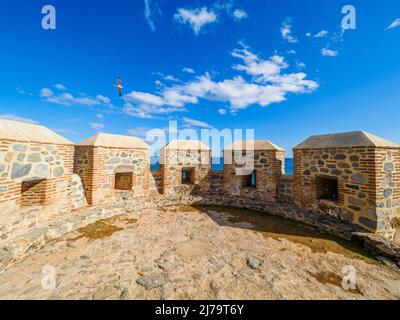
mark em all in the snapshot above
pixel 279 228
pixel 333 279
pixel 104 228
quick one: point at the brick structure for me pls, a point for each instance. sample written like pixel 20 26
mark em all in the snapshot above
pixel 252 169
pixel 35 167
pixel 185 167
pixel 353 176
pixel 110 163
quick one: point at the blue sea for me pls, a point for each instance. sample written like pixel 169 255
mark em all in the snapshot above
pixel 217 164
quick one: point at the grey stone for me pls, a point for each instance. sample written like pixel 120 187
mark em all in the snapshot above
pixel 253 263
pixel 58 172
pixel 372 224
pixel 352 186
pixel 5 257
pixel 373 214
pixel 20 147
pixel 3 189
pixel 124 294
pixel 388 167
pixel 354 158
pixel 114 160
pixel 150 282
pixel 37 233
pixel 340 156
pixel 42 170
pixel 336 172
pixel 35 157
pixel 20 170
pixel 387 192
pixel 21 157
pixel 49 159
pixel 358 177
pixel 356 202
pixel 346 216
pixel 2 167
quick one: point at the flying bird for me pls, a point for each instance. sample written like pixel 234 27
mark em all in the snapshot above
pixel 119 86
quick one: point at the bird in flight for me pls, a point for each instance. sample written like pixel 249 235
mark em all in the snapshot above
pixel 119 86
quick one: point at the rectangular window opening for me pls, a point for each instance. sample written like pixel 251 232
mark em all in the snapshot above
pixel 250 181
pixel 327 188
pixel 188 176
pixel 124 181
pixel 33 192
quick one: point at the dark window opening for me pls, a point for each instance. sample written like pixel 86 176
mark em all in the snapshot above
pixel 188 176
pixel 250 181
pixel 33 192
pixel 327 188
pixel 124 181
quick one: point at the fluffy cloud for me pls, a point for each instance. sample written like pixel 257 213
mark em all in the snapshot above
pixel 268 84
pixel 329 53
pixel 97 126
pixel 59 86
pixel 222 112
pixel 286 31
pixel 188 70
pixel 189 123
pixel 239 14
pixel 322 34
pixel 68 99
pixel 394 24
pixel 196 18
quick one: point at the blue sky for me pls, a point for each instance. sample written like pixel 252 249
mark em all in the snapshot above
pixel 283 68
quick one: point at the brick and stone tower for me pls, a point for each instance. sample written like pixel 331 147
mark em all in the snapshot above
pixel 109 164
pixel 353 176
pixel 185 167
pixel 252 169
pixel 35 168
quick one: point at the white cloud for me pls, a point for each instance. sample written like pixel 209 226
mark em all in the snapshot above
pixel 99 116
pixel 308 34
pixel 59 86
pixel 286 31
pixel 321 34
pixel 68 99
pixel 394 24
pixel 301 65
pixel 17 118
pixel 291 52
pixel 196 18
pixel 150 10
pixel 188 123
pixel 329 53
pixel 139 132
pixel 171 78
pixel 268 84
pixel 188 70
pixel 222 111
pixel 239 14
pixel 96 126
pixel 103 99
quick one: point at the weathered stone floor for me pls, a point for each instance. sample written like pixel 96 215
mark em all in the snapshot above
pixel 185 253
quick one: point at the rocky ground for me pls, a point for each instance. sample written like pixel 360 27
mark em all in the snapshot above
pixel 187 253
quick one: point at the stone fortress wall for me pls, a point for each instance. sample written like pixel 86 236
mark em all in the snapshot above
pixel 352 178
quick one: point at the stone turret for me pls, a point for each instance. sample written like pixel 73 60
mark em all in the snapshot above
pixel 110 164
pixel 354 176
pixel 252 169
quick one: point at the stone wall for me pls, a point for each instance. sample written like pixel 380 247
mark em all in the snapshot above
pixel 268 167
pixel 78 196
pixel 285 189
pixel 367 179
pixel 29 169
pixel 173 162
pixel 217 182
pixel 98 166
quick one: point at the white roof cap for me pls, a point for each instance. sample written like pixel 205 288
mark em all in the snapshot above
pixel 28 132
pixel 345 140
pixel 115 141
pixel 186 145
pixel 264 145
